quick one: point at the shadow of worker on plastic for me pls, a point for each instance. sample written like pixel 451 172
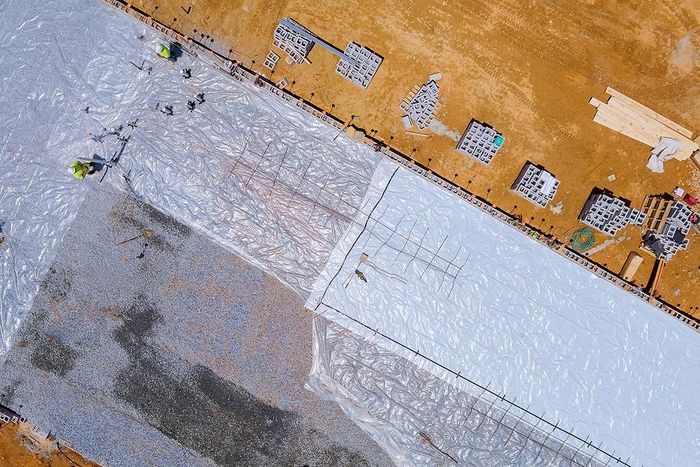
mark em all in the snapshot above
pixel 175 51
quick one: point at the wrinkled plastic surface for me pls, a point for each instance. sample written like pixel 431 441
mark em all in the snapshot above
pixel 663 152
pixel 475 295
pixel 42 87
pixel 259 176
pixel 274 185
pixel 421 419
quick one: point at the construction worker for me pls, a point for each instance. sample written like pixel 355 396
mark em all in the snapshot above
pixel 187 73
pixel 163 50
pixel 82 169
pixel 190 105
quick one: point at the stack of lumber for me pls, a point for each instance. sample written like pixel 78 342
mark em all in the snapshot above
pixel 632 119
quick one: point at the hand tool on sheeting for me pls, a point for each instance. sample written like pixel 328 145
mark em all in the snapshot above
pixel 148 233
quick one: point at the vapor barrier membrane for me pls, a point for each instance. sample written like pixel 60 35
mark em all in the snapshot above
pixel 276 186
pixel 421 419
pixel 43 84
pixel 467 291
pixel 257 175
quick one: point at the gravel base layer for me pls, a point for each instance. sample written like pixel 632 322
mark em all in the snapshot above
pixel 169 350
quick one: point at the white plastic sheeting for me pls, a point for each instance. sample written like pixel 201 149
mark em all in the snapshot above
pixel 467 291
pixel 663 152
pixel 259 176
pixel 42 86
pixel 277 187
pixel 421 419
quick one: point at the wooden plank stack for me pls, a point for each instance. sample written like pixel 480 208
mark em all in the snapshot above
pixel 629 117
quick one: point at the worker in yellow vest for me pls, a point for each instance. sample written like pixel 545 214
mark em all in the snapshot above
pixel 82 169
pixel 163 50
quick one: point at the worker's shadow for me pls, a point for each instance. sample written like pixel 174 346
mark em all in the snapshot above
pixel 175 51
pixel 98 162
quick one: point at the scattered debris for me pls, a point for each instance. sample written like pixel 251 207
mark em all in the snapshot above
pixel 435 77
pixel 480 141
pixel 421 106
pixel 612 178
pixel 147 233
pixel 143 67
pixel 609 242
pixel 439 128
pixel 678 191
pixel 535 185
pixel 557 208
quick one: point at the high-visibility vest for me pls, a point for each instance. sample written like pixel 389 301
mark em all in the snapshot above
pixel 80 170
pixel 164 51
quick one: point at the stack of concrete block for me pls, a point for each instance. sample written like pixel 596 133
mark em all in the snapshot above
pixel 292 43
pixel 535 185
pixel 365 66
pixel 480 142
pixel 608 214
pixel 680 216
pixel 271 60
pixel 672 237
pixel 421 108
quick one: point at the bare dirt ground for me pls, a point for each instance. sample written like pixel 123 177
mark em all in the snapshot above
pixel 18 449
pixel 527 68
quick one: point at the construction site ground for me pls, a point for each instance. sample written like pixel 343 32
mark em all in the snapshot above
pixel 164 352
pixel 527 69
pixel 19 449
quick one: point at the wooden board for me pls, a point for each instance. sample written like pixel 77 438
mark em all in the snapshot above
pixel 636 121
pixel 647 111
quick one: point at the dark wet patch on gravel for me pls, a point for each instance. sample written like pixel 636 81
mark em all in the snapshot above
pixel 174 356
pixel 206 413
pixel 52 355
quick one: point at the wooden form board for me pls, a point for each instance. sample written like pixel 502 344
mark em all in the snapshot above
pixel 638 122
pixel 696 160
pixel 646 110
pixel 634 260
pixel 657 209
